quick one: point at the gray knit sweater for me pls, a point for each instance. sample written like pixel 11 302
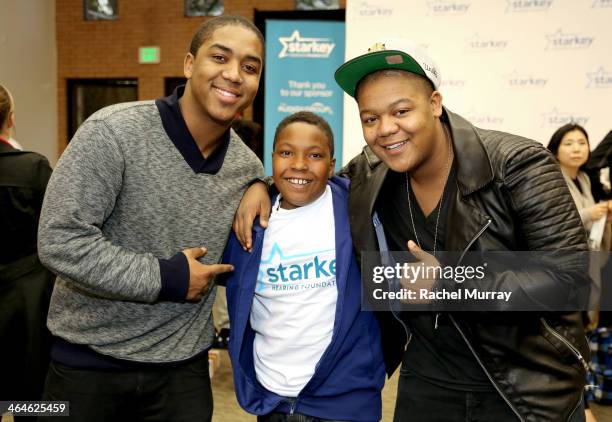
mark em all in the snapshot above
pixel 120 198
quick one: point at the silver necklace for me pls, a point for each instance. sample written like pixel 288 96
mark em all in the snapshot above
pixel 441 198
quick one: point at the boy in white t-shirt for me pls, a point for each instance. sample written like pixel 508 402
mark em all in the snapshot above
pixel 300 345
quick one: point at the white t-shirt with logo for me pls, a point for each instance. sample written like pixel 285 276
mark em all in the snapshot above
pixel 295 297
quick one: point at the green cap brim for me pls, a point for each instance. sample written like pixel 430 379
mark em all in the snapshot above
pixel 350 73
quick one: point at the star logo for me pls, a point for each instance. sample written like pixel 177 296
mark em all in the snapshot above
pixel 556 118
pixel 527 5
pixel 599 79
pixel 297 46
pixel 560 40
pixel 445 7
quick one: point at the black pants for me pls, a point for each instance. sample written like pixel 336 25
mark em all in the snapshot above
pixel 418 400
pixel 296 417
pixel 25 342
pixel 179 394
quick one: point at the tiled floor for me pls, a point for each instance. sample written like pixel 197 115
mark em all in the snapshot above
pixel 227 409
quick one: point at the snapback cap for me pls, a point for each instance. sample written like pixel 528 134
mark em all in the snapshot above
pixel 393 54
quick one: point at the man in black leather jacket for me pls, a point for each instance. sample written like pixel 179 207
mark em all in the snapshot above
pixel 440 183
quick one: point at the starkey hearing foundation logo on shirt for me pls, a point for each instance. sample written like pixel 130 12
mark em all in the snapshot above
pixel 528 5
pixel 297 46
pixel 310 270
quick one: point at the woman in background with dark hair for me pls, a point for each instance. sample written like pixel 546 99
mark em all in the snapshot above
pixel 570 145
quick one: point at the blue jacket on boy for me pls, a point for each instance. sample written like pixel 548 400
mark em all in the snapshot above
pixel 350 375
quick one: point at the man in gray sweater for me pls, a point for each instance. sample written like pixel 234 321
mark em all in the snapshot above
pixel 134 222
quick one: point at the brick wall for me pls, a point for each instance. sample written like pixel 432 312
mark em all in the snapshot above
pixel 109 49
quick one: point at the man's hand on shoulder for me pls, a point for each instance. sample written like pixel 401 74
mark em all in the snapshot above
pixel 201 275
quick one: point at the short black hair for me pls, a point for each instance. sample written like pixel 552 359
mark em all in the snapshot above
pixel 555 140
pixel 426 83
pixel 311 119
pixel 206 30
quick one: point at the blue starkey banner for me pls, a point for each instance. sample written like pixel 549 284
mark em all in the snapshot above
pixel 301 58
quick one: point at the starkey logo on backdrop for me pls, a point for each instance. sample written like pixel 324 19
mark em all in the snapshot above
pixel 478 42
pixel 601 3
pixel 297 46
pixel 564 40
pixel 448 7
pixel 528 5
pixel 599 79
pixel 484 120
pixel 518 80
pixel 453 83
pixel 556 118
pixel 370 10
pixel 311 270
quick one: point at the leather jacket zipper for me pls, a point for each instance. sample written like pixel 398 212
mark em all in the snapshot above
pixel 467 342
pixel 480 232
pixel 569 345
pixel 408 334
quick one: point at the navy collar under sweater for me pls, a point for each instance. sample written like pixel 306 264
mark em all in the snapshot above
pixel 179 134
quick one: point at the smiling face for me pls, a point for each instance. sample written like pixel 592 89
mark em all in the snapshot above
pixel 301 164
pixel 399 116
pixel 573 150
pixel 223 77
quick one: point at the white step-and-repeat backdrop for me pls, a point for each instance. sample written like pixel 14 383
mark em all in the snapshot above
pixel 520 66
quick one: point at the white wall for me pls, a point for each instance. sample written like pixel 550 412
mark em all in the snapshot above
pixel 28 68
pixel 520 66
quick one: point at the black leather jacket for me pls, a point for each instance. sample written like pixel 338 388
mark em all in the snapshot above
pixel 510 196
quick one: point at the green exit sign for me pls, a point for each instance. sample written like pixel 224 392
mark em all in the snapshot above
pixel 148 55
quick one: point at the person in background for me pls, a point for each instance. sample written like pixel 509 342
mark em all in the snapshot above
pixel 301 347
pixel 251 133
pixel 25 285
pixel 570 145
pixel 134 223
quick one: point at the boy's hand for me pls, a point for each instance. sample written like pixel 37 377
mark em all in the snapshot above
pixel 255 202
pixel 201 275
